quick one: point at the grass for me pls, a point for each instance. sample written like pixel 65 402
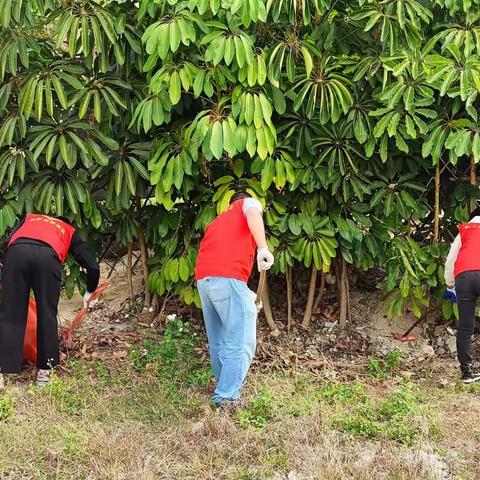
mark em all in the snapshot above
pixel 150 418
pixel 382 369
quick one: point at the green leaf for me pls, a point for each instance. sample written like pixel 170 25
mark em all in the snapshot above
pixel 183 269
pixel 216 140
pixel 308 61
pixel 268 173
pixel 175 88
pixel 294 224
pixel 404 286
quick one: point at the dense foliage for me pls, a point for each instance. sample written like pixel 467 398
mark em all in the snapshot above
pixel 354 122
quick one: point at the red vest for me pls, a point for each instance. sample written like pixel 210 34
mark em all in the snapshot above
pixel 468 257
pixel 50 230
pixel 228 247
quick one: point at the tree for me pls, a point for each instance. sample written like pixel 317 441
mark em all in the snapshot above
pixel 141 119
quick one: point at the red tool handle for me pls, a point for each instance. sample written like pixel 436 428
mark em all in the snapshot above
pixel 67 334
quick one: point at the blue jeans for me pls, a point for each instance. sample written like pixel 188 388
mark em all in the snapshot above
pixel 230 316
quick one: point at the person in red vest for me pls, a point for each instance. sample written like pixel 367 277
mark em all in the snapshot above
pixel 37 248
pixel 462 276
pixel 224 264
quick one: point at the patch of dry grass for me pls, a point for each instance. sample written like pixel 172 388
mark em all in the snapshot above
pixel 123 425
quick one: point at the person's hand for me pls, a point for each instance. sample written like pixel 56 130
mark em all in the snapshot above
pixel 264 259
pixel 87 302
pixel 450 294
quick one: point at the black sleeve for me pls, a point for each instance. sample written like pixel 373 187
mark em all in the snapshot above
pixel 12 233
pixel 85 258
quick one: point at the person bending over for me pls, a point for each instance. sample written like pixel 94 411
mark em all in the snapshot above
pixel 224 264
pixel 37 248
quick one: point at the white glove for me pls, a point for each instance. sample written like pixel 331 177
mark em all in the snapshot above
pixel 264 259
pixel 86 300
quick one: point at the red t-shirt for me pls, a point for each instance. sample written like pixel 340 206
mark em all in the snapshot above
pixel 468 257
pixel 46 229
pixel 228 247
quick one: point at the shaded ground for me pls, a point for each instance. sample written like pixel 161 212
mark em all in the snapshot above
pixel 132 402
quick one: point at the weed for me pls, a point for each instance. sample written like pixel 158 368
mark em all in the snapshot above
pixel 70 440
pixel 259 411
pixel 401 402
pixel 70 395
pixel 343 393
pixel 276 458
pixel 173 357
pixel 358 424
pixel 392 418
pixel 7 407
pixel 393 360
pixel 402 431
pixel 383 369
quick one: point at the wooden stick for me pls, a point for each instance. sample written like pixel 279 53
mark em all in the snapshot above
pixel 275 332
pixel 321 292
pixel 130 270
pixel 473 180
pixel 436 225
pixel 343 295
pixel 261 286
pixel 144 254
pixel 311 298
pixel 289 298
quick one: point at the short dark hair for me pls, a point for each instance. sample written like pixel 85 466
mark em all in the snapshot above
pixel 240 196
pixel 475 213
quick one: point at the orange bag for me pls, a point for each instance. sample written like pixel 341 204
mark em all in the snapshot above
pixel 30 343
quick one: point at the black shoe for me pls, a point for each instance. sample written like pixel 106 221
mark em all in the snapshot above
pixel 228 406
pixel 468 376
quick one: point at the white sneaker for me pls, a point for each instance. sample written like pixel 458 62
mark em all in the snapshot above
pixel 43 377
pixel 2 382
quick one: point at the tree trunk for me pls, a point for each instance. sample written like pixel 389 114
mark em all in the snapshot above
pixel 144 256
pixel 130 271
pixel 310 299
pixel 267 308
pixel 344 295
pixel 155 303
pixel 347 289
pixel 473 180
pixel 321 292
pixel 436 225
pixel 436 234
pixel 289 298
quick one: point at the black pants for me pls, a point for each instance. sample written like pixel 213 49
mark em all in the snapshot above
pixel 467 286
pixel 29 267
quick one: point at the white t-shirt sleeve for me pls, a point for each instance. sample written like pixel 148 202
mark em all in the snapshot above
pixel 451 259
pixel 251 203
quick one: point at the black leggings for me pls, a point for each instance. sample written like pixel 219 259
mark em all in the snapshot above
pixel 29 267
pixel 467 286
